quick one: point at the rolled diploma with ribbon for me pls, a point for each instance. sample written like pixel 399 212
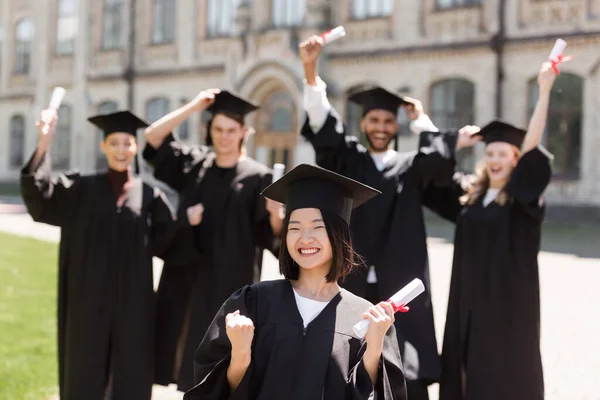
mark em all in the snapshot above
pixel 278 170
pixel 332 35
pixel 558 49
pixel 407 294
pixel 57 96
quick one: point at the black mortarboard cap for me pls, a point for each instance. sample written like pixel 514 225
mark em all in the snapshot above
pixel 307 186
pixel 377 98
pixel 500 131
pixel 231 103
pixel 120 121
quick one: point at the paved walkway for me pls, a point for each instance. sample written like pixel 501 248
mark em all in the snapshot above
pixel 569 276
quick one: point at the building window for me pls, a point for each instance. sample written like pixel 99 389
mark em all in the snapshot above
pixel 66 26
pixel 205 117
pixel 183 130
pixel 221 17
pixel 157 108
pixel 104 108
pixel 17 140
pixel 277 113
pixel 447 4
pixel 60 150
pixel 286 13
pixel 563 127
pixel 112 24
pixel 23 45
pixel 452 107
pixel 163 21
pixel 363 9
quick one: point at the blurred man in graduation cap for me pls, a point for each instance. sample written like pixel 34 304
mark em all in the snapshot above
pixel 231 224
pixel 111 225
pixel 389 232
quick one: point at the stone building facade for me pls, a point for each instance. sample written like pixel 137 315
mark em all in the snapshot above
pixel 468 60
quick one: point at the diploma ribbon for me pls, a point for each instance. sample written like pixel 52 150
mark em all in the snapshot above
pixel 556 61
pixel 401 308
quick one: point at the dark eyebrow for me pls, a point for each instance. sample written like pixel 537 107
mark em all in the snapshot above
pixel 314 220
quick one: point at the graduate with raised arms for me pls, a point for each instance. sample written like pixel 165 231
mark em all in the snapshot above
pixel 389 232
pixel 111 225
pixel 230 224
pixel 293 338
pixel 491 344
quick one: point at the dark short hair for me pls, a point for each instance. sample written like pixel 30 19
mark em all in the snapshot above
pixel 236 117
pixel 345 259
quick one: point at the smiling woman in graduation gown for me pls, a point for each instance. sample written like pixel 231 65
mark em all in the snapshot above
pixel 293 338
pixel 208 261
pixel 491 347
pixel 111 223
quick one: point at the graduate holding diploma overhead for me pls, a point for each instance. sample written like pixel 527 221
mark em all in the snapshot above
pixel 491 347
pixel 293 338
pixel 111 224
pixel 230 224
pixel 388 232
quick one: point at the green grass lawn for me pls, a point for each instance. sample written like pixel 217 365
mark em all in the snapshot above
pixel 28 365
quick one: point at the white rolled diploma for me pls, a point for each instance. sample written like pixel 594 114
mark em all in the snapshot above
pixel 278 170
pixel 558 49
pixel 401 298
pixel 57 96
pixel 332 35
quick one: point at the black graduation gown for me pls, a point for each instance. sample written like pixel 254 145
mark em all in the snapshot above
pixel 105 292
pixel 389 230
pixel 323 361
pixel 205 264
pixel 493 319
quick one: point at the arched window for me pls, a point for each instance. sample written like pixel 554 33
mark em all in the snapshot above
pixel 24 34
pixel 104 108
pixel 563 128
pixel 17 140
pixel 277 113
pixel 276 127
pixel 286 13
pixel 60 150
pixel 164 14
pixel 363 9
pixel 157 108
pixel 66 26
pixel 452 107
pixel 221 17
pixel 113 24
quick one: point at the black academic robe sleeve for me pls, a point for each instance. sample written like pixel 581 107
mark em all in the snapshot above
pixel 530 177
pixel 333 146
pixel 214 353
pixel 164 224
pixel 265 237
pixel 445 200
pixel 390 384
pixel 435 161
pixel 51 201
pixel 173 160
